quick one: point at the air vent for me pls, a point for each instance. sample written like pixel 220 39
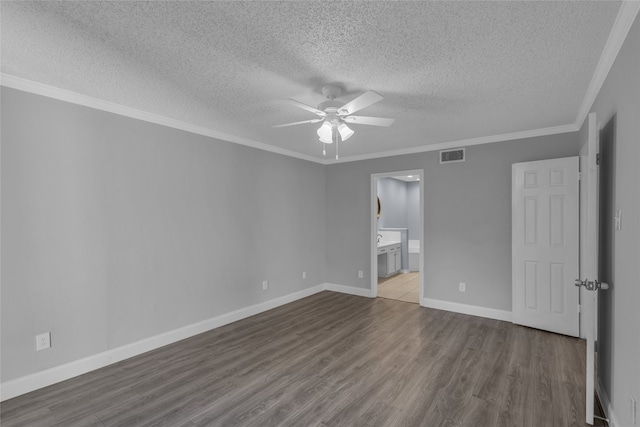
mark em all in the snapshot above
pixel 452 156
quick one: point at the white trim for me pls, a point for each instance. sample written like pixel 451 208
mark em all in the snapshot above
pixel 473 310
pixel 22 385
pixel 606 405
pixel 461 143
pixel 621 26
pixel 351 290
pixel 30 86
pixel 25 85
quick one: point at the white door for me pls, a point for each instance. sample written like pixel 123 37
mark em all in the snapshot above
pixel 545 245
pixel 589 262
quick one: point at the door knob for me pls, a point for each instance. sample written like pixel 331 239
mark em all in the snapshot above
pixel 591 285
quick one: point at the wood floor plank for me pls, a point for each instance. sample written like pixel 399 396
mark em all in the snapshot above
pixel 548 403
pixel 479 412
pixel 330 360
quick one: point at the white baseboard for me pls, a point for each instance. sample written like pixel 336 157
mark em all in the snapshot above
pixel 490 313
pixel 606 404
pixel 28 383
pixel 351 290
pixel 473 310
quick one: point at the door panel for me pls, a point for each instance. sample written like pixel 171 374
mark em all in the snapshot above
pixel 545 244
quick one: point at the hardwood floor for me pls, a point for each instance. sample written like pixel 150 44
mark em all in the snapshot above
pixel 332 360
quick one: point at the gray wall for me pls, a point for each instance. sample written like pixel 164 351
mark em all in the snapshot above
pixel 400 205
pixel 618 110
pixel 393 202
pixel 467 234
pixel 413 210
pixel 115 230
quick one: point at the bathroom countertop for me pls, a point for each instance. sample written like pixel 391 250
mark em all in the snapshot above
pixel 385 243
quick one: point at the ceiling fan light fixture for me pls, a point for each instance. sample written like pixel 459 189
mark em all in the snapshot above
pixel 325 133
pixel 345 132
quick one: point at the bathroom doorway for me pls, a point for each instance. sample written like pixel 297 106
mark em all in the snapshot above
pixel 397 212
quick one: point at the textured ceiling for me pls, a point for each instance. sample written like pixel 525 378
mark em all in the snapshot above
pixel 448 71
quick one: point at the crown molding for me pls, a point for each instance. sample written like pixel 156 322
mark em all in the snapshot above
pixel 30 86
pixel 621 26
pixel 514 136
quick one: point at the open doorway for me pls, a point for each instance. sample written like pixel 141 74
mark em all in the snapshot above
pixel 397 261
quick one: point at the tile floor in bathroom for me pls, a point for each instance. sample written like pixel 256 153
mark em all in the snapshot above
pixel 402 286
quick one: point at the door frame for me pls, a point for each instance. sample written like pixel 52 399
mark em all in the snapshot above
pixel 374 228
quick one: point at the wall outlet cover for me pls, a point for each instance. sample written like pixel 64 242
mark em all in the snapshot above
pixel 265 285
pixel 43 341
pixel 462 287
pixel 360 274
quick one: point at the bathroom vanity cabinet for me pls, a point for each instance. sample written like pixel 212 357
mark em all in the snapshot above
pixel 389 259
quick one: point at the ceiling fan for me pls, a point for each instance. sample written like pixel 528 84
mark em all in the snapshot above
pixel 335 115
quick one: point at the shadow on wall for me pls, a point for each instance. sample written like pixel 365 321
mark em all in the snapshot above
pixel 606 249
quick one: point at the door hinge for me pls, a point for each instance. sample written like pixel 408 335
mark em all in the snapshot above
pixel 579 309
pixel 579 176
pixel 598 159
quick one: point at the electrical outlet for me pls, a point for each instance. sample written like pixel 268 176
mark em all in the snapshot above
pixel 265 285
pixel 43 341
pixel 360 274
pixel 462 287
pixel 304 274
pixel 634 413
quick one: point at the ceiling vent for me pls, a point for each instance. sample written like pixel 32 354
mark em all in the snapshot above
pixel 452 156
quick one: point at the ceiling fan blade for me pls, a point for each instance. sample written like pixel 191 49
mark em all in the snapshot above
pixel 364 120
pixel 364 100
pixel 298 123
pixel 307 107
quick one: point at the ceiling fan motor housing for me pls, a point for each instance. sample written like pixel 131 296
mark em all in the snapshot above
pixel 330 107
